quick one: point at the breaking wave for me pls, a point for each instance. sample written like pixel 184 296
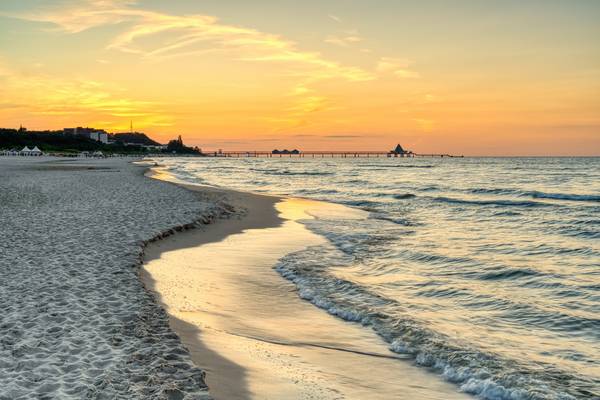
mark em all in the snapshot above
pixel 486 375
pixel 483 270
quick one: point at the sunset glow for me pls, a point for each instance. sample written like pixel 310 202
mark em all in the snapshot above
pixel 469 77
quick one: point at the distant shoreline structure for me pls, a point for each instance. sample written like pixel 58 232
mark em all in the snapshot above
pixel 398 151
pixel 83 140
pixel 79 140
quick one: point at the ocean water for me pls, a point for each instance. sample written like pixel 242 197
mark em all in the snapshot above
pixel 484 270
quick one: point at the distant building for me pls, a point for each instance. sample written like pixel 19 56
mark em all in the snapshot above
pixel 99 135
pixel 160 147
pixel 399 151
pixel 11 152
pixel 285 151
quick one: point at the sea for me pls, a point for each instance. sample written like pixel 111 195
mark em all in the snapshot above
pixel 483 270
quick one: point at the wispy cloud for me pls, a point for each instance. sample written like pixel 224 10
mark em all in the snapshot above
pixel 398 67
pixel 190 34
pixel 309 104
pixel 80 16
pixel 157 36
pixel 346 40
pixel 335 18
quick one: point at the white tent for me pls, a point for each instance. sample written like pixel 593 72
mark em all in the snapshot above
pixel 36 152
pixel 26 151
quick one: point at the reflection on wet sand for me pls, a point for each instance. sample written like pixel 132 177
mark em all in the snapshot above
pixel 250 319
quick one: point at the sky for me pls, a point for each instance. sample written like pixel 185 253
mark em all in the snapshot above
pixel 472 77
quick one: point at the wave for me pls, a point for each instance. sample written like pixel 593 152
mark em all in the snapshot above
pixel 433 258
pixel 303 173
pixel 285 172
pixel 492 191
pixel 536 194
pixel 564 322
pixel 365 204
pixel 397 196
pixel 355 182
pixel 509 273
pixel 317 191
pixel 580 233
pixel 404 221
pixel 489 376
pixel 432 188
pixel 507 214
pixel 563 196
pixel 492 249
pixel 508 203
pixel 258 182
pixel 404 196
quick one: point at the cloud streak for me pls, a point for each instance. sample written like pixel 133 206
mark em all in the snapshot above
pixel 344 40
pixel 156 37
pixel 190 34
pixel 397 67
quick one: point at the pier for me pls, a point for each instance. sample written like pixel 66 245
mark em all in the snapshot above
pixel 323 154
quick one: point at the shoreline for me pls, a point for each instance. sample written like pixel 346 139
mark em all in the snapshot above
pixel 219 230
pixel 243 322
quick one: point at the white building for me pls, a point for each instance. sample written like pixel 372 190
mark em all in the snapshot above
pixel 154 147
pixel 98 135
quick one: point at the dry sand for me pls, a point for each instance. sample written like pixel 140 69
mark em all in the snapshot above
pixel 246 326
pixel 75 321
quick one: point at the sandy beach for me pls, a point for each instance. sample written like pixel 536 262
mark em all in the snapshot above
pixel 122 282
pixel 75 320
pixel 246 325
pixel 78 322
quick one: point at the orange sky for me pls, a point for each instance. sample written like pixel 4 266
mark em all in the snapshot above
pixel 465 77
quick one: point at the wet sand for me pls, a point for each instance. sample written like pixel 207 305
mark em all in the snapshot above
pixel 246 326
